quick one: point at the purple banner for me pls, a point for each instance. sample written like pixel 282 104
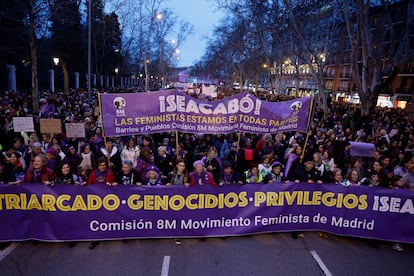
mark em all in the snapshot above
pixel 137 113
pixel 64 213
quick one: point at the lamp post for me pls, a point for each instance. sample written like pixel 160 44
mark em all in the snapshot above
pixel 146 75
pixel 58 61
pixel 89 49
pixel 116 70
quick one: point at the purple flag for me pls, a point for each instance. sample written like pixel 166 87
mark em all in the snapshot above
pixel 362 149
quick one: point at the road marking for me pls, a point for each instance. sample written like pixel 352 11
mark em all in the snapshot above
pixel 4 253
pixel 320 263
pixel 165 266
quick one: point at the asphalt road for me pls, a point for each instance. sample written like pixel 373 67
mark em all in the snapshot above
pixel 266 254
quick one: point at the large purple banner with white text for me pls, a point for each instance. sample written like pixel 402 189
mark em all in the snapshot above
pixel 137 113
pixel 64 213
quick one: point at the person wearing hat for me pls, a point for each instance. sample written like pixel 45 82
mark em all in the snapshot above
pixel 276 175
pixel 229 176
pixel 200 176
pixel 32 152
pixel 51 161
pixel 153 177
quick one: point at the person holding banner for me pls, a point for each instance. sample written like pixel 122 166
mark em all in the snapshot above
pixel 65 175
pixel 253 175
pixel 102 174
pixel 200 176
pixel 354 179
pixel 276 175
pixel 179 175
pixel 229 176
pixel 127 175
pixel 39 173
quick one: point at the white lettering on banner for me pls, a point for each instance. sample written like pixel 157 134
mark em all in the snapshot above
pixel 354 223
pixel 393 205
pixel 122 225
pixel 173 103
pixel 215 223
pixel 281 219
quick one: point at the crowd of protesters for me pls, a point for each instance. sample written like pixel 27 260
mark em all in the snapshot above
pixel 322 155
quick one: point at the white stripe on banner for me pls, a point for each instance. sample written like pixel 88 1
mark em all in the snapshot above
pixel 165 266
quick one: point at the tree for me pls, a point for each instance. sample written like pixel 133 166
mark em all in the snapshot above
pixel 67 36
pixel 376 58
pixel 38 15
pixel 312 23
pixel 149 33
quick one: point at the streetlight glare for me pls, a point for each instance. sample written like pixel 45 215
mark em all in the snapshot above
pixel 116 70
pixel 56 60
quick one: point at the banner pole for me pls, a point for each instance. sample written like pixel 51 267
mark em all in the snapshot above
pixel 238 147
pixel 311 114
pixel 176 144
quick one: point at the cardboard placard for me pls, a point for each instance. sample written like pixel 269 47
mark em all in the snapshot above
pixel 97 111
pixel 75 130
pixel 52 126
pixel 24 124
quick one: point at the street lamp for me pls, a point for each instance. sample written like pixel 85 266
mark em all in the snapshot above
pixel 159 16
pixel 116 70
pixel 56 61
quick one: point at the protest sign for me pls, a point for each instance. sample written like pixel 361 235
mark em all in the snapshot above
pixel 75 130
pixel 24 124
pixel 52 126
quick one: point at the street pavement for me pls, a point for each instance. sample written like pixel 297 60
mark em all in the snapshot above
pixel 264 254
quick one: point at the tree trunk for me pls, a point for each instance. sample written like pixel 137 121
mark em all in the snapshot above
pixel 33 56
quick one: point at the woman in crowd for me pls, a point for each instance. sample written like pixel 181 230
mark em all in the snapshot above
pixel 212 163
pixel 179 175
pixel 52 161
pixel 15 167
pixel 145 161
pixel 102 174
pixel 86 158
pixel 337 176
pixel 354 179
pixel 153 177
pixel 200 176
pixel 72 158
pixel 39 173
pixel 131 152
pixel 65 175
